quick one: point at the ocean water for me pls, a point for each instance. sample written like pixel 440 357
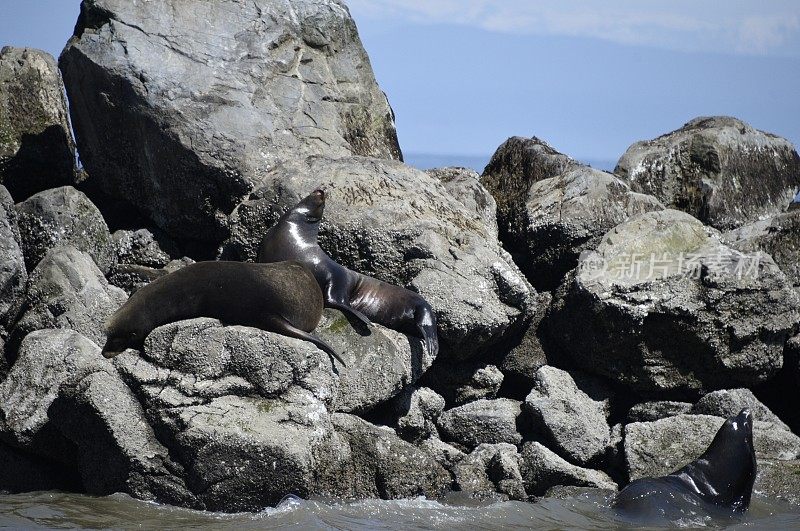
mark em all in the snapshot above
pixel 426 161
pixel 53 510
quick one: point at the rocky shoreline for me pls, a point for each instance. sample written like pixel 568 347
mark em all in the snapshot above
pixel 595 327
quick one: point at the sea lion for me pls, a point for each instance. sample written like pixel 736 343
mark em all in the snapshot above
pixel 718 482
pixel 294 237
pixel 281 297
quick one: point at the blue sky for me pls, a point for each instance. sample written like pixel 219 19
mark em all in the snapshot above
pixel 589 77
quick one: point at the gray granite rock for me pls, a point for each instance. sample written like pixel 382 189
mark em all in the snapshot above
pixel 381 465
pixel 142 247
pixel 47 360
pixel 778 236
pixel 462 382
pixel 489 470
pixel 573 424
pixel 660 447
pixel 67 290
pixel 542 469
pixel 36 147
pixel 778 479
pixel 465 186
pixel 483 421
pixel 520 364
pixel 658 409
pixel 729 402
pixel 418 410
pixel 183 122
pixel 64 216
pixel 551 208
pixel 13 275
pixel 664 305
pixel 400 225
pixel 718 169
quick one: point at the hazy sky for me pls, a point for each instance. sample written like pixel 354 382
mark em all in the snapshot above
pixel 590 77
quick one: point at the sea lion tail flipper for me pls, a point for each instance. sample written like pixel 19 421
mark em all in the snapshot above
pixel 284 327
pixel 426 325
pixel 350 311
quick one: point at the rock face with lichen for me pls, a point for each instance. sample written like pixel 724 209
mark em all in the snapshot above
pixel 182 119
pixel 551 208
pixel 664 305
pixel 718 169
pixel 36 147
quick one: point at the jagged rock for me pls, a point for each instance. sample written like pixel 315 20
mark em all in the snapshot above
pixel 117 449
pixel 519 366
pixel 13 275
pixel 67 290
pixel 379 365
pixel 778 236
pixel 663 305
pixel 398 224
pixel 465 186
pixel 36 148
pixel 660 447
pixel 574 424
pixel 490 469
pixel 542 469
pixel 658 409
pixel 551 208
pixel 382 465
pixel 132 277
pixel 718 169
pixel 417 411
pixel 445 454
pixel 47 360
pixel 778 479
pixel 184 127
pixel 142 248
pixel 63 216
pixel 729 402
pixel 482 421
pixel 462 382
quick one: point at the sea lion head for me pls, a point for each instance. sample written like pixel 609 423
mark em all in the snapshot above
pixel 310 209
pixel 725 473
pixel 124 331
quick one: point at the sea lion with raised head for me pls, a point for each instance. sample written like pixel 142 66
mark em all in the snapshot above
pixel 294 237
pixel 282 297
pixel 719 482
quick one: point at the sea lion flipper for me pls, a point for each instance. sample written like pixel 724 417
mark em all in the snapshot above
pixel 426 326
pixel 344 308
pixel 284 327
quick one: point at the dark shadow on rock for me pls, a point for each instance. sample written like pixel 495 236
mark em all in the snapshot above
pixel 43 161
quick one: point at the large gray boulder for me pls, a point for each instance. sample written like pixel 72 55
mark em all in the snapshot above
pixel 13 275
pixel 463 382
pixel 551 208
pixel 379 464
pixel 573 423
pixel 542 469
pixel 183 127
pixel 729 402
pixel 142 247
pixel 36 148
pixel 67 290
pixel 465 185
pixel 658 409
pixel 417 411
pixel 64 216
pixel 660 447
pixel 718 169
pixel 489 470
pixel 778 479
pixel 778 236
pixel 47 360
pixel 482 421
pixel 398 224
pixel 664 305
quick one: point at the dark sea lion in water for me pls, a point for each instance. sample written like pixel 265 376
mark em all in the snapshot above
pixel 282 297
pixel 718 482
pixel 367 299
